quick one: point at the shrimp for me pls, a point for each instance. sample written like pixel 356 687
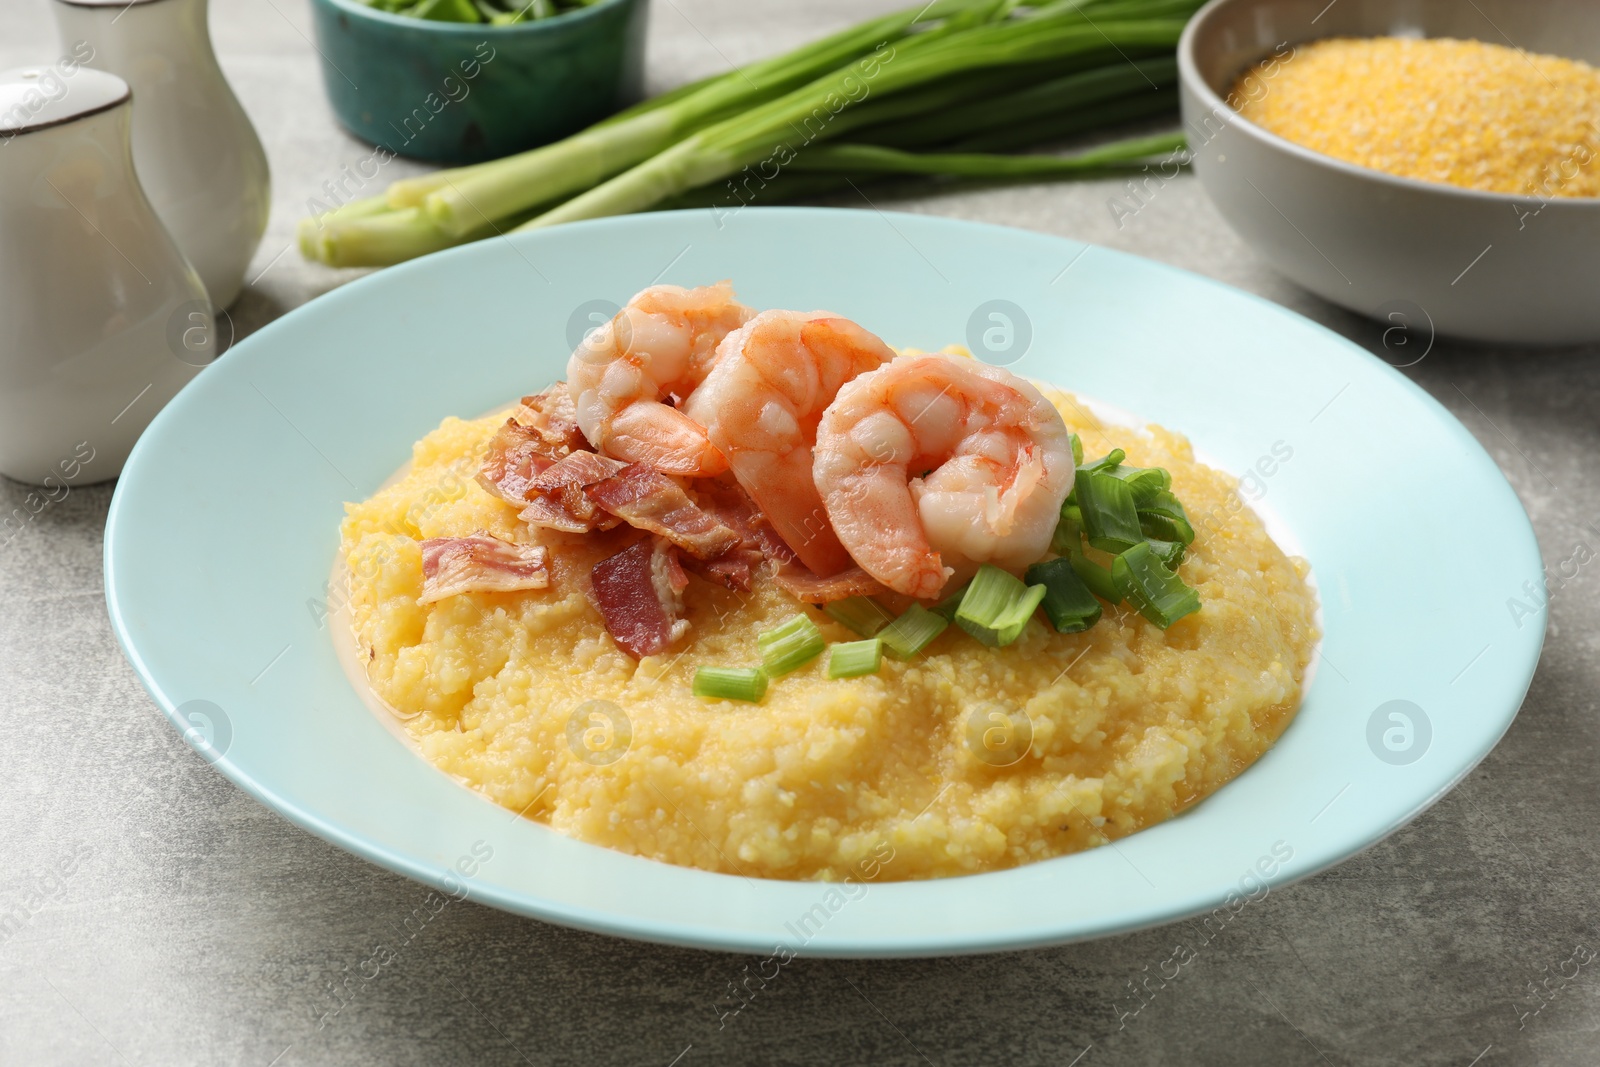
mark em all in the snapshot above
pixel 661 345
pixel 932 465
pixel 760 406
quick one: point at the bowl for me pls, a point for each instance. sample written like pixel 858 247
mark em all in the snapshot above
pixel 451 92
pixel 1475 265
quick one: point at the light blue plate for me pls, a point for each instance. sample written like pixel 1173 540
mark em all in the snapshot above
pixel 224 528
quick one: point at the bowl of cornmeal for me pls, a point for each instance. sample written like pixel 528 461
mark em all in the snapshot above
pixel 1432 164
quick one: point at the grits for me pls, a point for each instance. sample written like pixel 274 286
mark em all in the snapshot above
pixel 1130 724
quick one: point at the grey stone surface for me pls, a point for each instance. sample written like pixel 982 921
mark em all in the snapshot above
pixel 198 928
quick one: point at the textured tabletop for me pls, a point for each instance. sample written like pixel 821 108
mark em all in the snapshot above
pixel 167 918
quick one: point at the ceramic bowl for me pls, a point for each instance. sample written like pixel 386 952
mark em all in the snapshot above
pixel 1475 265
pixel 451 92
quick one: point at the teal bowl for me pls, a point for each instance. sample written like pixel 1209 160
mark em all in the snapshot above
pixel 451 92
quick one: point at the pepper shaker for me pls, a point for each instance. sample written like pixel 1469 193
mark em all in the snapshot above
pixel 198 157
pixel 102 320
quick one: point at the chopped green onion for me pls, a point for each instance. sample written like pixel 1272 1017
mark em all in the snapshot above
pixel 1068 603
pixel 1110 459
pixel 947 607
pixel 997 606
pixel 1168 552
pixel 730 683
pixel 855 658
pixel 1077 449
pixel 861 614
pixel 1145 482
pixel 912 631
pixel 1110 518
pixel 1096 577
pixel 1159 594
pixel 790 645
pixel 1069 531
pixel 1163 517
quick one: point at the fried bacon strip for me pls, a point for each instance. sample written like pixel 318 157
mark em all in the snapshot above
pixel 645 498
pixel 806 586
pixel 758 541
pixel 639 592
pixel 551 415
pixel 480 563
pixel 516 455
pixel 557 498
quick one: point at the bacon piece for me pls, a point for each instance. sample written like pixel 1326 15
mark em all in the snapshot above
pixel 758 541
pixel 553 417
pixel 645 498
pixel 639 594
pixel 557 497
pixel 516 456
pixel 480 564
pixel 806 586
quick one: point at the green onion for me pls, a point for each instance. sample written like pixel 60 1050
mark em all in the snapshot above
pixel 855 658
pixel 1158 594
pixel 790 645
pixel 1068 603
pixel 997 606
pixel 1144 482
pixel 1110 519
pixel 1077 449
pixel 947 607
pixel 861 614
pixel 730 683
pixel 1168 552
pixel 1069 531
pixel 912 631
pixel 1163 517
pixel 1096 577
pixel 1110 459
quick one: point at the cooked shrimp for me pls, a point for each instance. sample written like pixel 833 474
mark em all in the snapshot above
pixel 660 346
pixel 760 406
pixel 998 460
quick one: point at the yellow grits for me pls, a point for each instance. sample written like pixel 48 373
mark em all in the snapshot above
pixel 1130 724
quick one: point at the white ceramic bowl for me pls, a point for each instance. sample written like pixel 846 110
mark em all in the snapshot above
pixel 1475 265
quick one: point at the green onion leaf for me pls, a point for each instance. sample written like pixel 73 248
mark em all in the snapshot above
pixel 1144 482
pixel 1110 459
pixel 1077 449
pixel 1068 603
pixel 1163 517
pixel 947 607
pixel 912 631
pixel 730 683
pixel 855 658
pixel 1069 531
pixel 790 645
pixel 1110 518
pixel 1168 552
pixel 861 614
pixel 997 606
pixel 1096 577
pixel 1145 582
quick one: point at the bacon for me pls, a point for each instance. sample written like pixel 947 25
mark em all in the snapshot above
pixel 639 594
pixel 516 456
pixel 553 417
pixel 557 497
pixel 480 563
pixel 806 586
pixel 645 498
pixel 758 541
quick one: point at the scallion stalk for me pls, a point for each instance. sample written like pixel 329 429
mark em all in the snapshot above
pixel 1163 517
pixel 730 683
pixel 855 658
pixel 790 645
pixel 1145 582
pixel 997 606
pixel 1144 482
pixel 1068 603
pixel 946 608
pixel 1097 578
pixel 862 614
pixel 1110 519
pixel 1110 459
pixel 1077 449
pixel 913 631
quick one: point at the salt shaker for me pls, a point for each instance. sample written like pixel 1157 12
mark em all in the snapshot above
pixel 198 157
pixel 102 320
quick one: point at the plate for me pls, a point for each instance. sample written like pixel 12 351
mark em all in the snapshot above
pixel 225 524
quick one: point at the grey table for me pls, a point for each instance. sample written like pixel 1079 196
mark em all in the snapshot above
pixel 194 926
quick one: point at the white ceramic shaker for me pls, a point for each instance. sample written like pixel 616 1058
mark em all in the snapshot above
pixel 198 157
pixel 102 320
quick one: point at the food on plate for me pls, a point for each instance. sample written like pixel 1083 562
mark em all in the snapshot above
pixel 923 603
pixel 1477 115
